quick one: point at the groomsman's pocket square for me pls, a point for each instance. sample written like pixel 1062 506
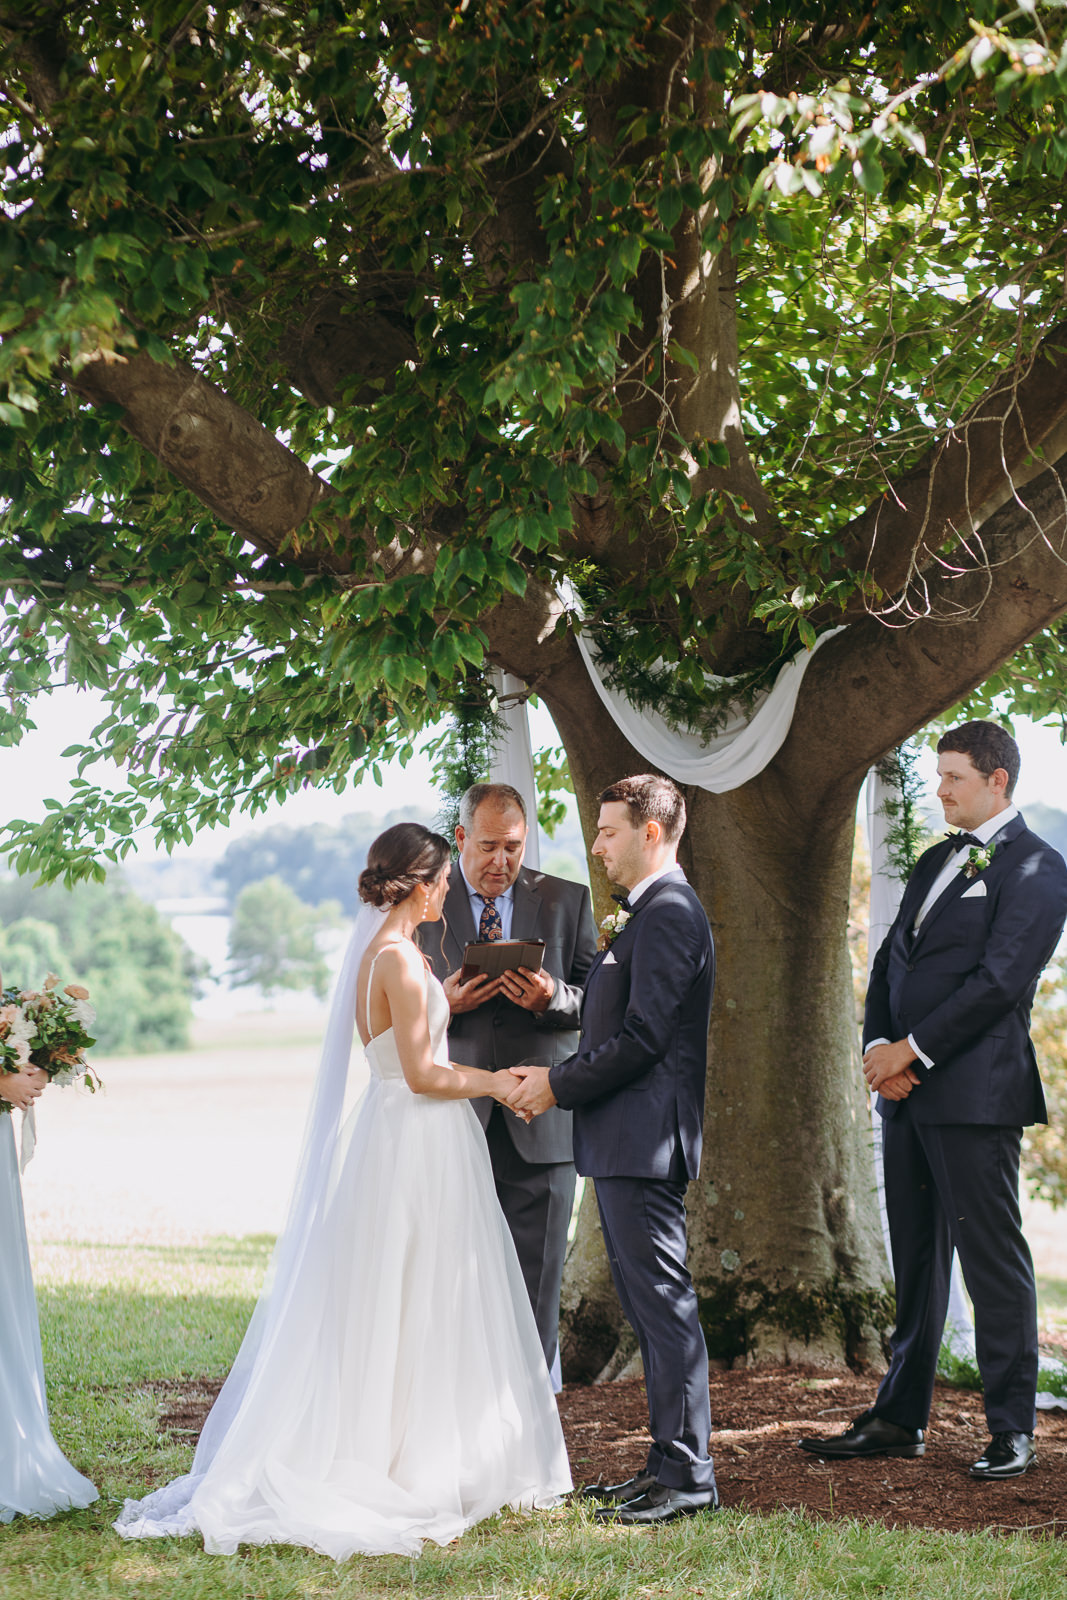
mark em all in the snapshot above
pixel 975 892
pixel 609 960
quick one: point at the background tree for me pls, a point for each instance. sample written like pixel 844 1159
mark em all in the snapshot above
pixel 348 348
pixel 274 939
pixel 141 976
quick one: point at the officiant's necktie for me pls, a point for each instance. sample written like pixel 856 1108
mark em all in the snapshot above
pixel 490 928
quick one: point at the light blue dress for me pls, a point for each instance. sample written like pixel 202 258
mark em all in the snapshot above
pixel 36 1479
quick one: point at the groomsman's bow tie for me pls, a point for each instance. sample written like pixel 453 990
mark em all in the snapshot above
pixel 622 901
pixel 964 841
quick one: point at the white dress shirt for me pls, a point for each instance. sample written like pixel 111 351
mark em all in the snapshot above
pixel 634 894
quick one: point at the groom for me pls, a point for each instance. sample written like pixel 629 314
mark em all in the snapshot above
pixel 636 1087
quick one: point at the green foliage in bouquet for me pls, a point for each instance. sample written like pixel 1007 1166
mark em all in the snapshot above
pixel 47 1028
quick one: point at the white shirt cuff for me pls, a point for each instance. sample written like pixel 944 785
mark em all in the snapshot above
pixel 925 1059
pixel 872 1042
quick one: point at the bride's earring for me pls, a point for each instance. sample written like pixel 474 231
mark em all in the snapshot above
pixel 425 904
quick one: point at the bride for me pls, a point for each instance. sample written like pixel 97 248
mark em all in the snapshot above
pixel 391 1386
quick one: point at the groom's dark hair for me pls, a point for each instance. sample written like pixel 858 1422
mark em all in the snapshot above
pixel 650 799
pixel 988 745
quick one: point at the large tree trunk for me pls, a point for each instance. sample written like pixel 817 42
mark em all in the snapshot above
pixel 786 1111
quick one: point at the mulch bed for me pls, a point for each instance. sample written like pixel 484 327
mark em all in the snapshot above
pixel 759 1414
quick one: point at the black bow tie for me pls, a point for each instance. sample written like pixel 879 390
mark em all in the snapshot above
pixel 965 841
pixel 622 901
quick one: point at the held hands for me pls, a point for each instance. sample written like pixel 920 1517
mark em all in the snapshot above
pixel 532 1093
pixel 23 1087
pixel 888 1070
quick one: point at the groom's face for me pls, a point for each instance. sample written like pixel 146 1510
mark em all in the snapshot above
pixel 968 797
pixel 620 844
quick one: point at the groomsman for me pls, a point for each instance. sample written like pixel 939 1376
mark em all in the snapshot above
pixel 948 1047
pixel 524 1016
pixel 636 1087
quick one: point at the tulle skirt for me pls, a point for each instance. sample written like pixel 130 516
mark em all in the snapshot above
pixel 403 1395
pixel 36 1479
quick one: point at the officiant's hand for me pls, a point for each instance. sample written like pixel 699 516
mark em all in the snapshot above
pixel 23 1087
pixel 470 995
pixel 528 989
pixel 533 1092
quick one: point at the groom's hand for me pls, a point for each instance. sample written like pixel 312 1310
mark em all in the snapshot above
pixel 533 1092
pixel 468 996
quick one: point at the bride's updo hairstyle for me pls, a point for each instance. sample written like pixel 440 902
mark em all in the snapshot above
pixel 399 860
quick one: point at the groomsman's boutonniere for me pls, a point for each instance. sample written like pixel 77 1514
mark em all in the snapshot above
pixel 612 926
pixel 978 858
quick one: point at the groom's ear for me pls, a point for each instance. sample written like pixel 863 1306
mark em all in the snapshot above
pixel 653 831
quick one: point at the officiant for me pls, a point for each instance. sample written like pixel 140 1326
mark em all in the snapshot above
pixel 525 1015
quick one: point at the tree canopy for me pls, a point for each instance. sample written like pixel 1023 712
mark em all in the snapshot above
pixel 336 337
pixel 349 349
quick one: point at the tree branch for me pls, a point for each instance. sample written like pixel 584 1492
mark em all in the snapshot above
pixel 881 683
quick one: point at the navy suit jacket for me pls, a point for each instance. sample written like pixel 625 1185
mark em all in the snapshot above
pixel 636 1085
pixel 962 986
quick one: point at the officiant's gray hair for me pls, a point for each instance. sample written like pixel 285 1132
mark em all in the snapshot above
pixel 649 798
pixel 501 795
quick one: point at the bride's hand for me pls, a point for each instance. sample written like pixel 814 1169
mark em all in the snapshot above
pixel 504 1087
pixel 23 1087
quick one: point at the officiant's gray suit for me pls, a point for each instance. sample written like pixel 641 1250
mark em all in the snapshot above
pixel 533 1163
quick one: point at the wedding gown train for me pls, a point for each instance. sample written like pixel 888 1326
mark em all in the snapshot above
pixel 36 1479
pixel 403 1394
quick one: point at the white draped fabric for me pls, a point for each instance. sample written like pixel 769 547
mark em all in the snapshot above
pixel 748 741
pixel 513 754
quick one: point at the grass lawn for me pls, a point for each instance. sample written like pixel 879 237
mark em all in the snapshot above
pixel 118 1322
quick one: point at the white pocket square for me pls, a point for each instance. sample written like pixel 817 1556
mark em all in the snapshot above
pixel 609 960
pixel 974 892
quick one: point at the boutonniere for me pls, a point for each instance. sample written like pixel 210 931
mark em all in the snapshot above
pixel 611 927
pixel 978 858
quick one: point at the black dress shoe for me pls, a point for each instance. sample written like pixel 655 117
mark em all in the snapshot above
pixel 1005 1456
pixel 868 1435
pixel 660 1504
pixel 616 1494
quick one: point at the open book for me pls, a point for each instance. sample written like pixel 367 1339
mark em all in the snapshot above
pixel 502 955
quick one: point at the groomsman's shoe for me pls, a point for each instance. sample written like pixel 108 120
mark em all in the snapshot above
pixel 1005 1456
pixel 868 1435
pixel 660 1504
pixel 615 1494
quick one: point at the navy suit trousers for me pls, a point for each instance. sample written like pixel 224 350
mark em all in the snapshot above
pixel 644 1230
pixel 957 1186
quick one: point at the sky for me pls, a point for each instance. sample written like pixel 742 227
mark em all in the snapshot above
pixel 36 771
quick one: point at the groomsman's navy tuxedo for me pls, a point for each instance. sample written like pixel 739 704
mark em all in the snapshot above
pixel 636 1087
pixel 961 986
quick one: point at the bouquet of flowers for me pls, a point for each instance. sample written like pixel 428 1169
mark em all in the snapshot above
pixel 47 1028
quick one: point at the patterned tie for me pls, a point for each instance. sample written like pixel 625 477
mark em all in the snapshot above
pixel 490 928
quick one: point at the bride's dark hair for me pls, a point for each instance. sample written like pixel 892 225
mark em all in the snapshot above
pixel 399 860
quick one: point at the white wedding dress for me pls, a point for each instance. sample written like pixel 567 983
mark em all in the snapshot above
pixel 401 1393
pixel 36 1479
